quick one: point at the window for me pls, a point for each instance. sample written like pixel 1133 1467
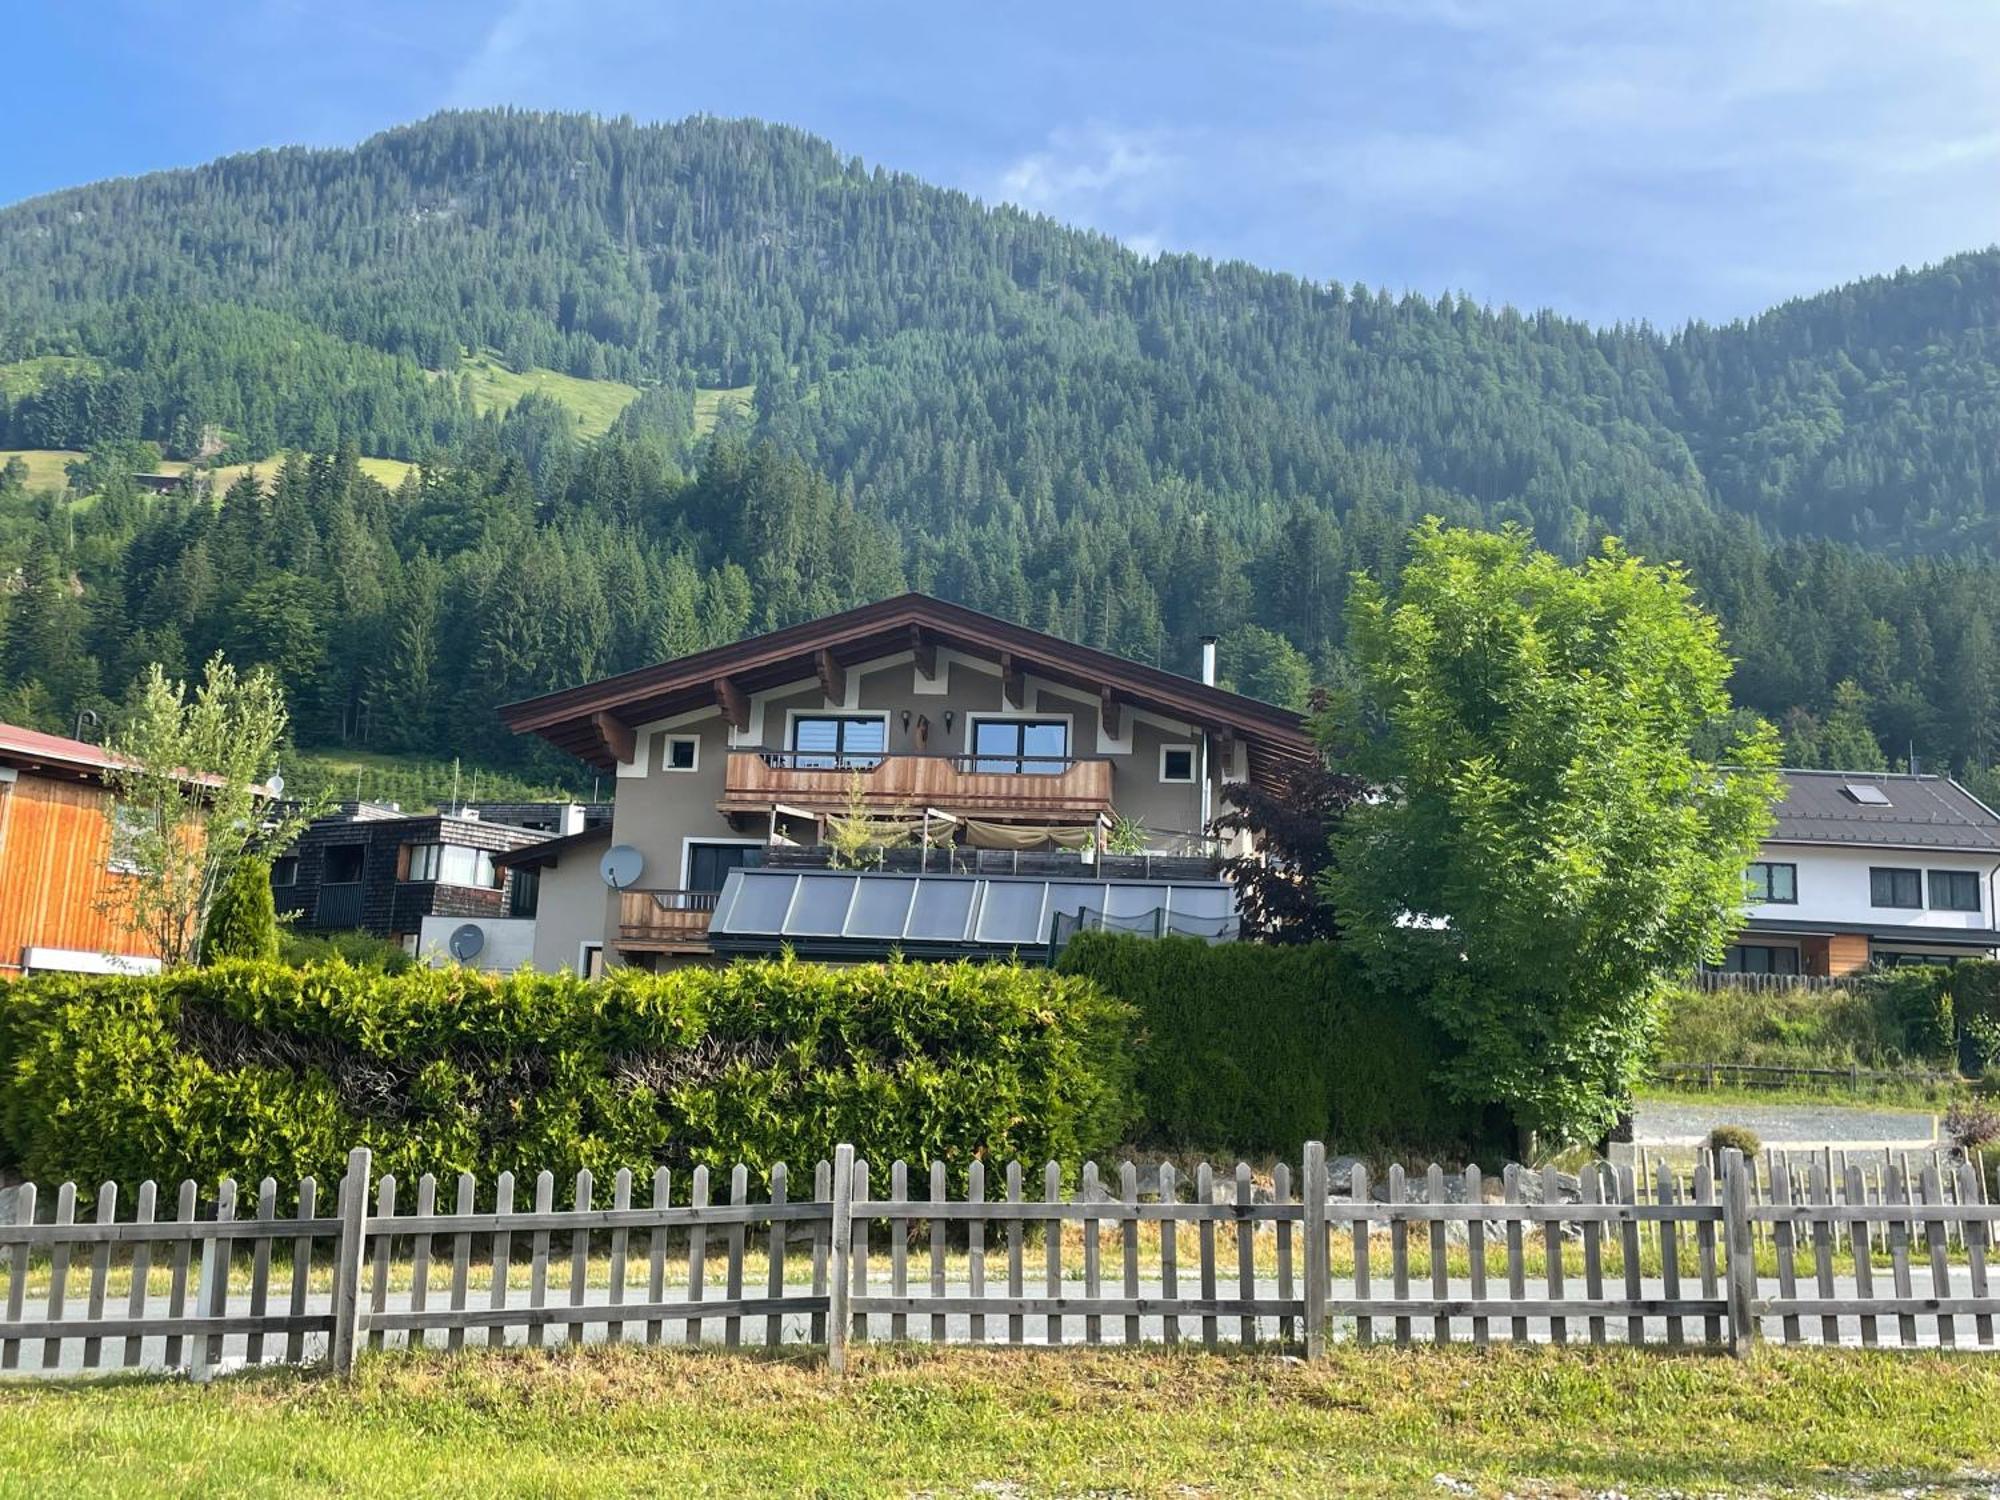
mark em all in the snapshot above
pixel 343 864
pixel 1773 884
pixel 523 893
pixel 452 864
pixel 1759 958
pixel 1899 888
pixel 590 961
pixel 1177 763
pixel 1954 890
pixel 708 865
pixel 285 870
pixel 683 750
pixel 826 742
pixel 1864 794
pixel 1020 747
pixel 128 827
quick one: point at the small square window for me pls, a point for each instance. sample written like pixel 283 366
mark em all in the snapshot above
pixel 683 750
pixel 285 870
pixel 1177 763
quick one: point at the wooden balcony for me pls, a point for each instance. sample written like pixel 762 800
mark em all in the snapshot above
pixel 665 921
pixel 1046 788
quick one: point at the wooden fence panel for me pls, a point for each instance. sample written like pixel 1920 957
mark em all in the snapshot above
pixel 1819 1206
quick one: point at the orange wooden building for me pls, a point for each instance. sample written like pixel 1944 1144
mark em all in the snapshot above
pixel 56 864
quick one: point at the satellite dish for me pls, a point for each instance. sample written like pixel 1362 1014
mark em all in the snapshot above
pixel 466 941
pixel 621 866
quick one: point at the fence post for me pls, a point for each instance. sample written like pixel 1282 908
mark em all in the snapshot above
pixel 211 1296
pixel 1313 1197
pixel 1742 1264
pixel 347 1262
pixel 839 1252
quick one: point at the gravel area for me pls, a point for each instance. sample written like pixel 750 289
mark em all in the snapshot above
pixel 1678 1122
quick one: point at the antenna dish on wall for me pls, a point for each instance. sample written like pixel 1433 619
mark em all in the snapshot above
pixel 466 942
pixel 621 866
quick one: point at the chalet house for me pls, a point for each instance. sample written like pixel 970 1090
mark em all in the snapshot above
pixel 1871 868
pixel 375 869
pixel 57 861
pixel 1008 759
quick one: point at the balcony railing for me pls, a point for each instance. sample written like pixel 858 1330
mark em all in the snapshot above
pixel 338 905
pixel 1021 786
pixel 667 918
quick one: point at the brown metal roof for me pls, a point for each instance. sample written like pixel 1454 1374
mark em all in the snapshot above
pixel 1276 737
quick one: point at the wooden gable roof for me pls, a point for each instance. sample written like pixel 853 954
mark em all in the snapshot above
pixel 595 722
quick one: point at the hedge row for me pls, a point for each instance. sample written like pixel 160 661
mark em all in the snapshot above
pixel 1245 1047
pixel 247 1069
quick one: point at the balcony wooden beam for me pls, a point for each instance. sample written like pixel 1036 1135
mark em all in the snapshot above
pixel 618 736
pixel 734 705
pixel 1012 684
pixel 832 677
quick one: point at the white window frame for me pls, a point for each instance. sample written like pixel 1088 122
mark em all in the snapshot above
pixel 667 753
pixel 1194 764
pixel 583 952
pixel 279 863
pixel 687 850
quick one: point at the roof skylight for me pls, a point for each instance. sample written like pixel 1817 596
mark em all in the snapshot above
pixel 1866 794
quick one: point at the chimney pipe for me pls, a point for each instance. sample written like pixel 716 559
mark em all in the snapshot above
pixel 1207 793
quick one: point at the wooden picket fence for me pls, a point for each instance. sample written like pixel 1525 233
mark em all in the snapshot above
pixel 1059 1262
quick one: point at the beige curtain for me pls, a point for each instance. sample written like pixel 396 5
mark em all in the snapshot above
pixel 1024 836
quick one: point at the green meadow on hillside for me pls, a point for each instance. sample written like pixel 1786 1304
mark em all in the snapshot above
pixel 595 402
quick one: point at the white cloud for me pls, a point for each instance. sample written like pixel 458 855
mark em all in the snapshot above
pixel 1091 166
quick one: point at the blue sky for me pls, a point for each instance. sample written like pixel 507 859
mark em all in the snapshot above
pixel 1703 158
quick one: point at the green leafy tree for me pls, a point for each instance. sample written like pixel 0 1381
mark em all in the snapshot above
pixel 243 923
pixel 192 799
pixel 1550 846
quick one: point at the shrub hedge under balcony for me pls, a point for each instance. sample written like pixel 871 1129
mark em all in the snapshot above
pixel 247 1069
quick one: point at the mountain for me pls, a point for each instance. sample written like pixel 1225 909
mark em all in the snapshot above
pixel 876 382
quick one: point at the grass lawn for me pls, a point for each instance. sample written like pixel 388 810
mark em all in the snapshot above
pixel 595 402
pixel 709 401
pixel 610 1421
pixel 46 466
pixel 388 472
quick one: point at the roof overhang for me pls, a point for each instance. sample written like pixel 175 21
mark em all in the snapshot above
pixel 1923 937
pixel 596 722
pixel 547 852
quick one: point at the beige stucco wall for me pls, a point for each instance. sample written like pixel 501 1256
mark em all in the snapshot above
pixel 660 811
pixel 571 909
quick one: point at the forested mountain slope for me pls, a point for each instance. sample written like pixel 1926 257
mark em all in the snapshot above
pixel 972 400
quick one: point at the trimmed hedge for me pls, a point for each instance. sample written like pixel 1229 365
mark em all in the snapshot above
pixel 248 1069
pixel 1248 1047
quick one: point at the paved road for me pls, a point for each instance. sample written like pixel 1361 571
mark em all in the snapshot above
pixel 1676 1122
pixel 958 1326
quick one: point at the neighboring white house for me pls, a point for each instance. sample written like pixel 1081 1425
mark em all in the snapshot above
pixel 1869 867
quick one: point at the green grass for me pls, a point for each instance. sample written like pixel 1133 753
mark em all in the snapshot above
pixel 45 465
pixel 389 472
pixel 25 376
pixel 709 402
pixel 595 402
pixel 603 1421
